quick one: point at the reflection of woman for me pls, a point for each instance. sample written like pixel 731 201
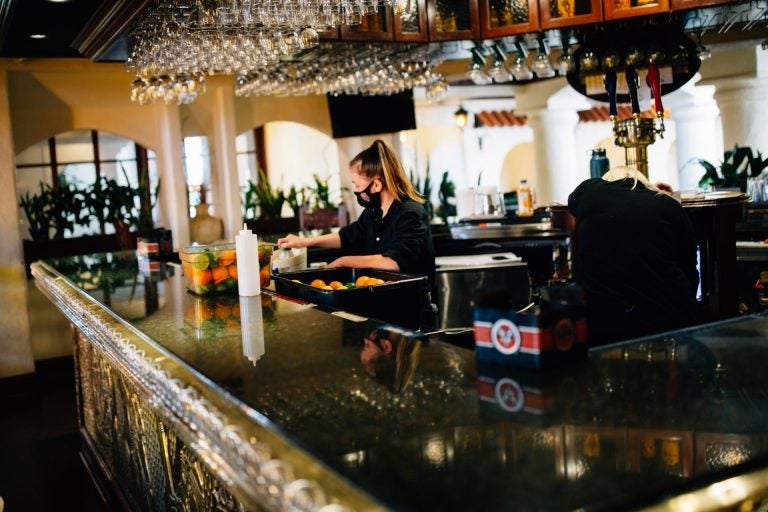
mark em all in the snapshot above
pixel 635 257
pixel 390 356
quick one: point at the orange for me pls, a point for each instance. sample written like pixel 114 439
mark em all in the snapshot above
pixel 336 285
pixel 232 271
pixel 264 276
pixel 227 257
pixel 201 277
pixel 362 281
pixel 219 274
pixel 222 311
pixel 375 280
pixel 317 283
pixel 327 287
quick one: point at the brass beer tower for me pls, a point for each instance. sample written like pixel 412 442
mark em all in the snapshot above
pixel 636 133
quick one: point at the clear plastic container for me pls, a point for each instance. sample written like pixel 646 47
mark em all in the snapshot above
pixel 212 269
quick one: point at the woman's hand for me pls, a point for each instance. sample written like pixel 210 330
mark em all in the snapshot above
pixel 293 242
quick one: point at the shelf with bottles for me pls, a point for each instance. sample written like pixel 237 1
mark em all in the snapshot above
pixel 620 9
pixel 411 23
pixel 453 20
pixel 500 18
pixel 374 26
pixel 569 13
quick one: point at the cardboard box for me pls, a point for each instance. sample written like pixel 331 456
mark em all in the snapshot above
pixel 543 336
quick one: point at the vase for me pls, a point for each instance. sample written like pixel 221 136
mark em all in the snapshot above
pixel 205 228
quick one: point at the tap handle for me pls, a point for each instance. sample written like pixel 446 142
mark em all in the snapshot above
pixel 610 87
pixel 631 76
pixel 653 79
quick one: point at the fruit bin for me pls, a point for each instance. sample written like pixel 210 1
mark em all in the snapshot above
pixel 212 269
pixel 399 300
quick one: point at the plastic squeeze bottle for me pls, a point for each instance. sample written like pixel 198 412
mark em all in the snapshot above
pixel 247 250
pixel 524 200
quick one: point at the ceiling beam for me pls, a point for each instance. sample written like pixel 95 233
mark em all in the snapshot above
pixel 111 20
pixel 6 10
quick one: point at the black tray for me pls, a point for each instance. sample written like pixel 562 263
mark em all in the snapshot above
pixel 399 301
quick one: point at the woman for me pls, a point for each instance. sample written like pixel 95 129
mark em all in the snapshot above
pixel 393 232
pixel 635 257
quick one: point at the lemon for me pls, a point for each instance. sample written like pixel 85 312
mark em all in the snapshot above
pixel 199 260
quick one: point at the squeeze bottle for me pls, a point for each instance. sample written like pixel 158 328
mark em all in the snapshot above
pixel 247 250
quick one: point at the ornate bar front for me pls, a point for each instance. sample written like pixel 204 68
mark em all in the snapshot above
pixel 228 403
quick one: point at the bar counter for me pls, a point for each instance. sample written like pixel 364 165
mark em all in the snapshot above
pixel 229 403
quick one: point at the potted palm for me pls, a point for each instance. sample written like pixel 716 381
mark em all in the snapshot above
pixel 737 166
pixel 263 206
pixel 318 210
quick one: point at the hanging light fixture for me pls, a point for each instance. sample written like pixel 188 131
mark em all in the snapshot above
pixel 460 117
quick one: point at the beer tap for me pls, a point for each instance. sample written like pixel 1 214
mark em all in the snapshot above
pixel 653 79
pixel 635 133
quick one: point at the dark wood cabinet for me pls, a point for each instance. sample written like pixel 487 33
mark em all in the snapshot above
pixel 567 13
pixel 332 34
pixel 620 9
pixel 500 18
pixel 679 5
pixel 373 27
pixel 451 20
pixel 411 25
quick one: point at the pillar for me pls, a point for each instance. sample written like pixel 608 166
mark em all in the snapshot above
pixel 15 349
pixel 173 188
pixel 743 103
pixel 698 131
pixel 554 135
pixel 225 184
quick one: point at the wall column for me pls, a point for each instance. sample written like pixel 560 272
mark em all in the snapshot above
pixel 743 103
pixel 224 179
pixel 554 136
pixel 16 356
pixel 698 131
pixel 173 188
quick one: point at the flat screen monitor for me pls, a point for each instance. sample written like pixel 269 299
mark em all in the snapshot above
pixel 356 115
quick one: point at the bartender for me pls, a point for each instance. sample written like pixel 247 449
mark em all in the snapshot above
pixel 393 231
pixel 635 257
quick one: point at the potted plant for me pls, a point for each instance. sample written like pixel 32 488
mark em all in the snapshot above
pixel 446 194
pixel 263 206
pixel 738 164
pixel 318 210
pixel 425 190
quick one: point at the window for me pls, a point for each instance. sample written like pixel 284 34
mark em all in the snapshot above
pixel 80 158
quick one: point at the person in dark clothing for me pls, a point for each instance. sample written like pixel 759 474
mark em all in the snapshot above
pixel 393 232
pixel 635 257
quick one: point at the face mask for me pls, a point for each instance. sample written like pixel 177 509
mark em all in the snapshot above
pixel 374 198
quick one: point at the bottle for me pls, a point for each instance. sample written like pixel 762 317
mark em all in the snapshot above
pixel 598 163
pixel 524 200
pixel 247 252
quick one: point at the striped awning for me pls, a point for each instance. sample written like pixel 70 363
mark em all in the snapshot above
pixel 498 118
pixel 597 114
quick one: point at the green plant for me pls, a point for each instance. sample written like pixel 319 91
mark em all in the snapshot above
pixel 445 193
pixel 424 189
pixel 296 198
pixel 738 164
pixel 109 202
pixel 268 200
pixel 60 208
pixel 318 195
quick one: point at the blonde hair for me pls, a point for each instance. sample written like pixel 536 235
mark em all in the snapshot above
pixel 380 161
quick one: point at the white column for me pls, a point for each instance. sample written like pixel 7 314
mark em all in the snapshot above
pixel 224 181
pixel 15 349
pixel 554 136
pixel 10 252
pixel 698 131
pixel 743 103
pixel 174 214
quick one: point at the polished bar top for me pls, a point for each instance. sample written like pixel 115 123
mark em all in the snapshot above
pixel 635 423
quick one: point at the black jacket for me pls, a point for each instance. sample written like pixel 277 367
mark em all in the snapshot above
pixel 404 235
pixel 635 256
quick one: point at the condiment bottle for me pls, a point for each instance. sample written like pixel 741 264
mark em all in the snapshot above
pixel 247 251
pixel 524 200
